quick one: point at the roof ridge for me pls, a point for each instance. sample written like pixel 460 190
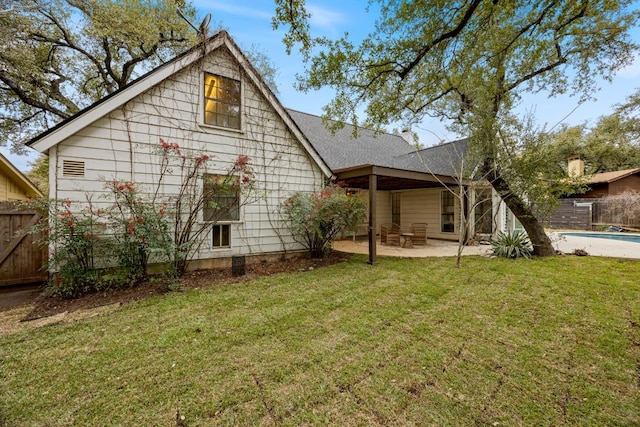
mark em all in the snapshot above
pixel 347 124
pixel 444 143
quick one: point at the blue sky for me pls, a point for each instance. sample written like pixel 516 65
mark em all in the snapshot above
pixel 249 23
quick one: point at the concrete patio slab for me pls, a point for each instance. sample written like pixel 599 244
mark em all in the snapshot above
pixel 442 248
pixel 596 246
pixel 434 248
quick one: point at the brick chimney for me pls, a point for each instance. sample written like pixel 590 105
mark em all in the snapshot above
pixel 575 166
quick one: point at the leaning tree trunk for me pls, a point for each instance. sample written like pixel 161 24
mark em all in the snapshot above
pixel 542 245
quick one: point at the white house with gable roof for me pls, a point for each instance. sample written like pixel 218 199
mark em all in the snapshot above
pixel 210 100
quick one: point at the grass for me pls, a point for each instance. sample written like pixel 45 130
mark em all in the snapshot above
pixel 407 342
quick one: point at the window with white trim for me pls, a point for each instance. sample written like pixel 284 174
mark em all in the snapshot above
pixel 447 211
pixel 395 208
pixel 221 236
pixel 221 203
pixel 221 198
pixel 484 211
pixel 221 101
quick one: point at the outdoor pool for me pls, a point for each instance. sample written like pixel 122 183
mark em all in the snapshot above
pixel 626 237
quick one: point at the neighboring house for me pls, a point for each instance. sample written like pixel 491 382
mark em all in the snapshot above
pixel 212 100
pixel 606 183
pixel 586 210
pixel 610 183
pixel 14 185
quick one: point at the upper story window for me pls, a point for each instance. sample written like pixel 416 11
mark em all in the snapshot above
pixel 221 101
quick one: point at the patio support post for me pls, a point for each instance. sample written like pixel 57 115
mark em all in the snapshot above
pixel 373 189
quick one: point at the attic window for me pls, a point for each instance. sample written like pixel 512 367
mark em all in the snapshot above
pixel 72 168
pixel 221 101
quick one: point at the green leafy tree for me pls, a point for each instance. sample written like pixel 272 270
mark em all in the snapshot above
pixel 39 173
pixel 611 144
pixel 60 56
pixel 467 62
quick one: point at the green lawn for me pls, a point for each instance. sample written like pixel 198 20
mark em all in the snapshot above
pixel 407 342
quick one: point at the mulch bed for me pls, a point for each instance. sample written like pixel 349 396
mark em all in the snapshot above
pixel 46 306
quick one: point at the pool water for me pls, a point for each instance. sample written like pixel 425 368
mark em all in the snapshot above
pixel 626 237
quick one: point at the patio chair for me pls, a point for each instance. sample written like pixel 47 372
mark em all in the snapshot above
pixel 419 231
pixel 390 234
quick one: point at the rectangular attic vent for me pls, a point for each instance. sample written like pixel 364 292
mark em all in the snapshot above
pixel 72 168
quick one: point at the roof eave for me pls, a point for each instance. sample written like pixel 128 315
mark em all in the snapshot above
pixel 19 178
pixel 69 127
pixel 44 141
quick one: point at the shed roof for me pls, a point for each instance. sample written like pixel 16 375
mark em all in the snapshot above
pixel 341 150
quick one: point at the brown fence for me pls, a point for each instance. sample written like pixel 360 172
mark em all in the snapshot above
pixel 21 260
pixel 589 214
pixel 604 214
pixel 572 214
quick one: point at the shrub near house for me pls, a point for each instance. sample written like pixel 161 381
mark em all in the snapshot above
pixel 316 219
pixel 95 248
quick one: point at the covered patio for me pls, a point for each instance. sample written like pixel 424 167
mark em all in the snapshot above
pixel 379 178
pixel 433 248
pixel 404 184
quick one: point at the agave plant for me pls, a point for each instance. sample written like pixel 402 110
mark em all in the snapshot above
pixel 515 244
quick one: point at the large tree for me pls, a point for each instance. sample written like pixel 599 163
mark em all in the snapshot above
pixel 468 62
pixel 610 144
pixel 59 56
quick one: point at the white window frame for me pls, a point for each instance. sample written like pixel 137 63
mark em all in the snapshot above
pixel 203 118
pixel 442 214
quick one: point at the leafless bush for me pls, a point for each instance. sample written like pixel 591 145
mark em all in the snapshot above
pixel 623 208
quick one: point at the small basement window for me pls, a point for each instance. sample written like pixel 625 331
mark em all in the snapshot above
pixel 221 236
pixel 72 168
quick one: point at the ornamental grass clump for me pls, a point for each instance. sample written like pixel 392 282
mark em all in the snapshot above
pixel 515 244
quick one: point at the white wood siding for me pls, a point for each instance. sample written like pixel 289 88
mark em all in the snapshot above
pixel 415 206
pixel 124 145
pixel 425 206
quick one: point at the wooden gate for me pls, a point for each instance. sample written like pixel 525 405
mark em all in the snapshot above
pixel 21 260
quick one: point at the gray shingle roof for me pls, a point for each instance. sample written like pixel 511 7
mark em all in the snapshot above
pixel 341 150
pixel 445 159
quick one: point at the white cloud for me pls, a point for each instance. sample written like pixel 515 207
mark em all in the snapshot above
pixel 247 12
pixel 324 18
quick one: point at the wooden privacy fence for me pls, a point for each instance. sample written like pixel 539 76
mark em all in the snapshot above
pixel 588 214
pixel 604 214
pixel 21 260
pixel 573 214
